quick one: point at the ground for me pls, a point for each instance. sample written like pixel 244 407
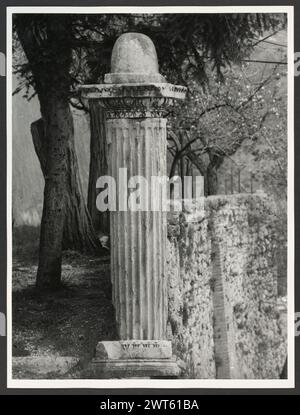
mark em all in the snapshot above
pixel 67 322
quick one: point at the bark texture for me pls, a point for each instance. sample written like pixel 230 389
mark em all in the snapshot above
pixel 59 128
pixel 78 233
pixel 98 165
pixel 212 174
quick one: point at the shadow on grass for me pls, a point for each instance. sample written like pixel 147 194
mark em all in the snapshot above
pixel 65 322
pixel 25 241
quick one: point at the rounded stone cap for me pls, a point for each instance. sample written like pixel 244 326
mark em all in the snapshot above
pixel 134 60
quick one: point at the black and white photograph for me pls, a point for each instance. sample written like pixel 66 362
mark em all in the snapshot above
pixel 150 197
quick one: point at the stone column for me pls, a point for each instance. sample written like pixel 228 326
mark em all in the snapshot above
pixel 135 97
pixel 138 237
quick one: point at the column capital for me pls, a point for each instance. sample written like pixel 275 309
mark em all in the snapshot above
pixel 134 100
pixel 134 88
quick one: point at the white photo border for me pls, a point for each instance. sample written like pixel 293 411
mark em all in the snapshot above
pixel 160 383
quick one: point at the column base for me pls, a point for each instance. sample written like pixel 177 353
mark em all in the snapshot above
pixel 133 359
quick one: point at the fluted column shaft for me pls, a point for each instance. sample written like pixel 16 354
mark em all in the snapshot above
pixel 138 238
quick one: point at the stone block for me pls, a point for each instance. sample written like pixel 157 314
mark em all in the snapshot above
pixel 134 349
pixel 133 359
pixel 132 368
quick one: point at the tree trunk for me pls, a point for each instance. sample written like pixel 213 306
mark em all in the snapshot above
pixel 58 130
pixel 98 165
pixel 212 174
pixel 37 129
pixel 212 180
pixel 200 165
pixel 78 233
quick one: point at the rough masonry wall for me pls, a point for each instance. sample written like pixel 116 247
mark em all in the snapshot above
pixel 223 315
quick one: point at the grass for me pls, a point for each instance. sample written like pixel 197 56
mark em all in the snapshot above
pixel 67 322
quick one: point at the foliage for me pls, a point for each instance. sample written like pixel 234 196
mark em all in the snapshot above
pixel 187 44
pixel 247 110
pixel 191 45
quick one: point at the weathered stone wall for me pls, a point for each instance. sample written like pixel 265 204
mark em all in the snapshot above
pixel 223 315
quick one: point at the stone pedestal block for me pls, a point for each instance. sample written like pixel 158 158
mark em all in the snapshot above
pixel 134 349
pixel 133 359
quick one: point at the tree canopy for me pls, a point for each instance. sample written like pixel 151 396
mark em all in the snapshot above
pixel 186 44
